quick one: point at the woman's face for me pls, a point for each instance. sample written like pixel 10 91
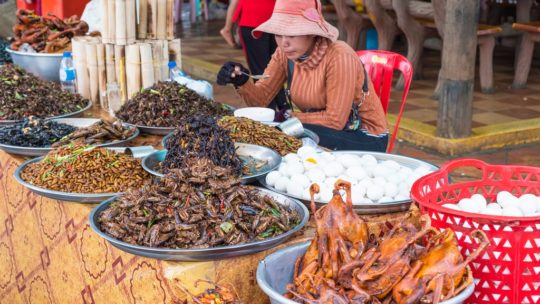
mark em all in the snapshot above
pixel 295 46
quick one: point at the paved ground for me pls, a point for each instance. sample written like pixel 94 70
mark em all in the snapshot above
pixel 202 42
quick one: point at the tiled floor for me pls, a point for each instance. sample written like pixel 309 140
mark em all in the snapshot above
pixel 505 105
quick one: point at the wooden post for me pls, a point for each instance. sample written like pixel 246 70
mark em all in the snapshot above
pixel 457 71
pixel 383 22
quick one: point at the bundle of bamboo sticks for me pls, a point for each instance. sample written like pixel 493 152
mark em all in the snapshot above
pixel 132 67
pixel 120 25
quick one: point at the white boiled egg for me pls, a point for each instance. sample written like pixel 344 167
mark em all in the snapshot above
pixel 347 179
pixel 281 183
pixel 295 168
pixel 390 189
pixel 301 180
pixel 480 201
pixel 527 204
pixel 330 182
pixel 305 151
pixel 511 211
pixel 375 192
pixel 492 211
pixel 291 157
pixel 307 196
pixel 326 194
pixel 272 177
pixel 369 159
pixel 392 164
pixel 356 172
pixel 357 193
pixel 295 189
pixel 333 168
pixel 349 160
pixel 381 171
pixel 507 199
pixel 363 201
pixel 401 197
pixel 283 169
pixel 381 181
pixel 328 156
pixel 366 183
pixel 394 179
pixel 469 205
pixel 316 175
pixel 493 206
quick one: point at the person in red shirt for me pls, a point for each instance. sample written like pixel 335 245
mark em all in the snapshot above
pixel 250 14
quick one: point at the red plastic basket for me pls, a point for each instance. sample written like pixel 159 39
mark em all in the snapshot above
pixel 509 270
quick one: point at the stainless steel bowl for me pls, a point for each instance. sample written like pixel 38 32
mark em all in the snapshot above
pixel 375 208
pixel 76 122
pixel 151 162
pixel 76 113
pixel 276 271
pixel 43 65
pixel 204 254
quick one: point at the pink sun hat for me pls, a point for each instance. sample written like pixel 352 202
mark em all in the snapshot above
pixel 297 18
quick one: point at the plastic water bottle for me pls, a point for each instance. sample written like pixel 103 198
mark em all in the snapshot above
pixel 174 71
pixel 67 73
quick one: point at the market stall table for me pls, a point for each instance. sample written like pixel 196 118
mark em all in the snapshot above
pixel 49 254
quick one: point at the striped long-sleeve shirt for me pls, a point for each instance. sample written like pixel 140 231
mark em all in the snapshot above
pixel 329 81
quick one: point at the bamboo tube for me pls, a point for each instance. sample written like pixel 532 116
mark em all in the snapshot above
pixel 175 52
pixel 120 67
pixel 133 69
pixel 93 75
pixel 157 54
pixel 143 19
pixel 147 68
pixel 102 76
pixel 152 19
pixel 165 61
pixel 109 62
pixel 131 21
pixel 111 20
pixel 79 58
pixel 121 29
pixel 161 19
pixel 105 21
pixel 169 23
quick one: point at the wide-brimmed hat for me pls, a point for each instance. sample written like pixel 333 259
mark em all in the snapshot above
pixel 297 18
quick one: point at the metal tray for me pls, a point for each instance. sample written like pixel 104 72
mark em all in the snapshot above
pixel 205 254
pixel 9 122
pixel 374 208
pixel 307 133
pixel 260 153
pixel 276 271
pixel 59 195
pixel 153 130
pixel 77 122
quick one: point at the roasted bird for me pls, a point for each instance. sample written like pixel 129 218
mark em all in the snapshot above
pixel 410 263
pixel 441 272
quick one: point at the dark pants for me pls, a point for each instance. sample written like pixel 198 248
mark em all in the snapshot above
pixel 348 140
pixel 258 54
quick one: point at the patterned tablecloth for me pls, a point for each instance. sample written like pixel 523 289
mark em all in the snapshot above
pixel 49 254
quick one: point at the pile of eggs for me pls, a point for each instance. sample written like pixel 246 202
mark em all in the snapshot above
pixel 372 181
pixel 506 205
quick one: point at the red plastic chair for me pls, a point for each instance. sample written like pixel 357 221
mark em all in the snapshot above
pixel 380 66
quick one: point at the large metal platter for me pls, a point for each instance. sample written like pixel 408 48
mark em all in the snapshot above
pixel 77 122
pixel 59 195
pixel 204 254
pixel 153 130
pixel 9 122
pixel 374 208
pixel 259 153
pixel 307 133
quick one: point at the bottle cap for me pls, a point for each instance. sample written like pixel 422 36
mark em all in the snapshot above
pixel 172 64
pixel 67 54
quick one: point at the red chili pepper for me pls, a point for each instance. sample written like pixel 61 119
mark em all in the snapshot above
pixel 187 201
pixel 165 113
pixel 221 204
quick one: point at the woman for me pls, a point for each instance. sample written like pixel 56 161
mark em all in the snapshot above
pixel 325 78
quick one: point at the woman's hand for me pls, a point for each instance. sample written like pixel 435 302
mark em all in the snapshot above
pixel 230 72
